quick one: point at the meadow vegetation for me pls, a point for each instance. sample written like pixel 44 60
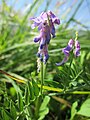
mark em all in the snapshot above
pixel 66 89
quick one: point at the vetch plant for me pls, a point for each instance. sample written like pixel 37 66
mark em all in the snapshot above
pixel 45 23
pixel 73 45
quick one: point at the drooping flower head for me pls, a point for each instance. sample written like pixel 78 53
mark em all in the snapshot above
pixel 68 48
pixel 73 45
pixel 77 48
pixel 46 16
pixel 45 23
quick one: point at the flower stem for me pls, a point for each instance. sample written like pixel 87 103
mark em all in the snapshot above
pixel 42 76
pixel 76 35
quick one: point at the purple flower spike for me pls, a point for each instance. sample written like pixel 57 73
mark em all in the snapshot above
pixel 66 51
pixel 77 48
pixel 45 23
pixel 71 45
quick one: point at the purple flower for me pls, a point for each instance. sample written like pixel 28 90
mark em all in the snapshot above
pixel 67 49
pixel 43 53
pixel 44 16
pixel 71 45
pixel 77 48
pixel 44 37
pixel 52 28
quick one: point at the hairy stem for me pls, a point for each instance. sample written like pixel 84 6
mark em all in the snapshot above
pixel 42 76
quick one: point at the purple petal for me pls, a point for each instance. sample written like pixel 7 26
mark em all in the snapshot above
pixel 77 48
pixel 68 48
pixel 35 25
pixel 32 18
pixel 42 43
pixel 40 55
pixel 48 35
pixel 37 39
pixel 77 52
pixel 37 22
pixel 63 61
pixel 71 43
pixel 46 57
pixel 77 44
pixel 43 16
pixel 52 28
pixel 54 18
pixel 43 53
pixel 36 19
pixel 39 27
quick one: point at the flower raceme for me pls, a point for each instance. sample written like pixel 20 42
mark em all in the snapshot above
pixel 45 23
pixel 77 50
pixel 71 45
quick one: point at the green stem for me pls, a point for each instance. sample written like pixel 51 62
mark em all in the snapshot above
pixel 44 69
pixel 80 92
pixel 42 76
pixel 75 92
pixel 71 59
pixel 37 107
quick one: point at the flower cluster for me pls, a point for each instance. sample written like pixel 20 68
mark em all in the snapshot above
pixel 71 45
pixel 45 23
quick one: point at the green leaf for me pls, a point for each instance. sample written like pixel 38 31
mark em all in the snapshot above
pixel 13 110
pixel 45 102
pixel 36 89
pixel 20 102
pixel 6 115
pixel 27 95
pixel 73 110
pixel 31 89
pixel 85 108
pixel 43 113
pixel 43 108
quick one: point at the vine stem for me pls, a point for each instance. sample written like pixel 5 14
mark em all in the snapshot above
pixel 39 99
